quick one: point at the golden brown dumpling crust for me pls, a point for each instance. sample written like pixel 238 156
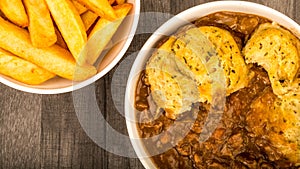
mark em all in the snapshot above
pixel 276 50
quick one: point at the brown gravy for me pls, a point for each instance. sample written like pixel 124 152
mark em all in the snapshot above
pixel 231 145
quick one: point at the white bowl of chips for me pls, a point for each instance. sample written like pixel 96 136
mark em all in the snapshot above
pixel 167 29
pixel 107 53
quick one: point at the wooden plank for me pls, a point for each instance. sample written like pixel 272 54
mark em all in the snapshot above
pixel 287 7
pixel 20 128
pixel 117 122
pixel 179 6
pixel 64 142
pixel 115 118
pixel 153 14
pixel 296 13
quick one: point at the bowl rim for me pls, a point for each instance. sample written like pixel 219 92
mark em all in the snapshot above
pixel 78 85
pixel 205 9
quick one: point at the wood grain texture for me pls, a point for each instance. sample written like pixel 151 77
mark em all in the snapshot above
pixel 43 131
pixel 20 129
pixel 64 143
pixel 296 13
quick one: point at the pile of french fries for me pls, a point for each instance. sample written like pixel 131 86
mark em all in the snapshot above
pixel 41 39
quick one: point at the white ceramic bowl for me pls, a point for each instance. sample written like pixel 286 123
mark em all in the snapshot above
pixel 171 26
pixel 59 85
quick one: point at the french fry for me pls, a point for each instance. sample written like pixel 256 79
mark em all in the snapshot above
pixel 88 18
pixel 2 15
pixel 80 8
pixel 54 58
pixel 111 1
pixel 14 10
pixel 103 31
pixel 60 40
pixel 100 7
pixel 40 27
pixel 70 26
pixel 119 2
pixel 22 70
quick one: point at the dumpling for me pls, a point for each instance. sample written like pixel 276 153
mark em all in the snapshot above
pixel 277 51
pixel 170 89
pixel 235 69
pixel 194 66
pixel 278 121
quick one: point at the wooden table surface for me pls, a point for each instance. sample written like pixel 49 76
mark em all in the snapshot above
pixel 43 131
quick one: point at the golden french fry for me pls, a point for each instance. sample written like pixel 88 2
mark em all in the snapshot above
pixel 101 8
pixel 111 1
pixel 70 26
pixel 119 2
pixel 54 58
pixel 103 31
pixel 40 27
pixel 22 70
pixel 60 40
pixel 80 8
pixel 2 15
pixel 14 11
pixel 88 18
